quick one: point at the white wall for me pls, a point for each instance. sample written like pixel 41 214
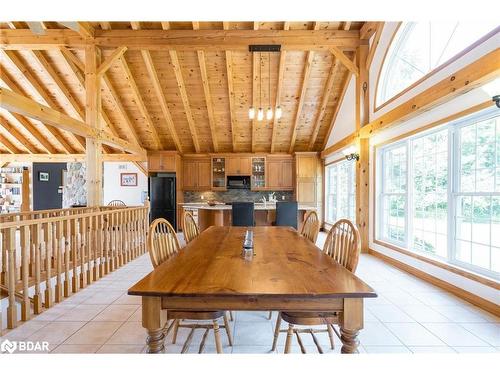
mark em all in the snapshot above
pixel 131 195
pixel 345 123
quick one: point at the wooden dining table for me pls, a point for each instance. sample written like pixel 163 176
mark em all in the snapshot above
pixel 286 273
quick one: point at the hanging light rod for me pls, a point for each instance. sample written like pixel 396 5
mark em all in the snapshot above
pixel 264 47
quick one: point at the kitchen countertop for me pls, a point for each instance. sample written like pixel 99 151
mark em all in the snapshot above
pixel 258 206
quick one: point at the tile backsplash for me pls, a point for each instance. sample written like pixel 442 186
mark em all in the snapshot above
pixel 235 195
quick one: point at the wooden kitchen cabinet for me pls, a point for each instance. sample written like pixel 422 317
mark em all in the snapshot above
pixel 161 162
pixel 196 174
pixel 308 178
pixel 279 173
pixel 238 166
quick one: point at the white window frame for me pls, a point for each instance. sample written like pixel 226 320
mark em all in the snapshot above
pixel 453 190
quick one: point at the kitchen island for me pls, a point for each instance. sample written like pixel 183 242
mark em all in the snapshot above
pixel 220 214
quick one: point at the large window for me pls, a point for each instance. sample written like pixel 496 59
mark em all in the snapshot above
pixel 340 191
pixel 420 47
pixel 439 193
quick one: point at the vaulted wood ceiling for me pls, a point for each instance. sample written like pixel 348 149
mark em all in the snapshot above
pixel 181 98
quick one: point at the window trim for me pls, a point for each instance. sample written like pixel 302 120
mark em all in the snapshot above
pixel 426 76
pixel 453 124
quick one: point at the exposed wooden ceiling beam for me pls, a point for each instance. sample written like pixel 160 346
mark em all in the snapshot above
pixel 473 75
pixel 39 90
pixel 153 76
pixel 208 95
pixel 302 95
pixel 374 44
pixel 368 29
pixel 85 29
pixel 185 100
pixel 9 145
pixel 61 158
pixel 188 40
pixel 230 87
pixel 140 103
pixel 20 137
pixel 106 64
pixel 332 76
pixel 345 60
pixel 105 25
pixel 281 73
pixel 16 103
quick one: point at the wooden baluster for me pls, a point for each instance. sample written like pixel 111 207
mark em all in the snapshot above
pixel 74 255
pixel 58 242
pixel 134 234
pixel 107 244
pixel 111 231
pixel 3 273
pixel 48 263
pixel 98 246
pixel 37 298
pixel 120 238
pixel 126 230
pixel 67 251
pixel 25 250
pixel 90 240
pixel 10 236
pixel 83 251
pixel 32 252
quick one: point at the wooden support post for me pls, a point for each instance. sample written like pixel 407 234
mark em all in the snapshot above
pixel 362 170
pixel 93 146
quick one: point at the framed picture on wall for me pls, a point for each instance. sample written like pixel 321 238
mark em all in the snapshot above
pixel 128 179
pixel 43 176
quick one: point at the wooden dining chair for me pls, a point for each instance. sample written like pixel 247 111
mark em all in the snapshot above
pixel 117 203
pixel 310 228
pixel 343 245
pixel 162 245
pixel 189 227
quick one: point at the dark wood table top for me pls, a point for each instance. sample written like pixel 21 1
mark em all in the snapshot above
pixel 285 264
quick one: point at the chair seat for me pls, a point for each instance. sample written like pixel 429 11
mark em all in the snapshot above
pixel 194 315
pixel 310 318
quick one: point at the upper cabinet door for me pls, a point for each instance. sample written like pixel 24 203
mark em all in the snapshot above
pixel 168 163
pixel 190 175
pixel 154 162
pixel 245 166
pixel 204 173
pixel 232 166
pixel 287 174
pixel 274 174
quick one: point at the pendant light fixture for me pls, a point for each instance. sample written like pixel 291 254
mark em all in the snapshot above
pixel 269 113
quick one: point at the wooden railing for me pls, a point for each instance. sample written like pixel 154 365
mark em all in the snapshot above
pixel 48 255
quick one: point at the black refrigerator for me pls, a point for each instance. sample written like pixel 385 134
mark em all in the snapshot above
pixel 162 195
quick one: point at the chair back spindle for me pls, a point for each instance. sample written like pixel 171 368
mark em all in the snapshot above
pixel 310 228
pixel 343 244
pixel 117 203
pixel 190 228
pixel 162 241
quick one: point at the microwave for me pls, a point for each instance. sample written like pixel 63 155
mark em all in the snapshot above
pixel 238 182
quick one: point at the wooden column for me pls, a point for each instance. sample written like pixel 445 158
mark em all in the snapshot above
pixel 93 147
pixel 362 167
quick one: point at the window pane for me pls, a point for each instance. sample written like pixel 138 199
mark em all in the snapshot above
pixel 340 191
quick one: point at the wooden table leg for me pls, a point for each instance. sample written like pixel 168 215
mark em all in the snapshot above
pixel 153 319
pixel 350 324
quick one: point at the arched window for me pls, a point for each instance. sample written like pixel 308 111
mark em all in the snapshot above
pixel 419 48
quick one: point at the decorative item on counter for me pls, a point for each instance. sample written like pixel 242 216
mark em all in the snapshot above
pixel 212 203
pixel 248 245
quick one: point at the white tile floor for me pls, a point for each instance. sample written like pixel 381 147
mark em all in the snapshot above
pixel 409 316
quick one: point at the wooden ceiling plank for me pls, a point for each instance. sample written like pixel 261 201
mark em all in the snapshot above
pixel 106 64
pixel 85 29
pixel 281 73
pixel 38 88
pixel 305 81
pixel 185 40
pixel 16 103
pixel 153 76
pixel 185 100
pixel 105 25
pixel 140 103
pixel 230 87
pixel 345 60
pixel 20 137
pixel 59 158
pixel 332 75
pixel 255 81
pixel 8 145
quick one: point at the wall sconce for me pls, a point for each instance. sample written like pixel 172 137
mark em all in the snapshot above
pixel 351 153
pixel 496 99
